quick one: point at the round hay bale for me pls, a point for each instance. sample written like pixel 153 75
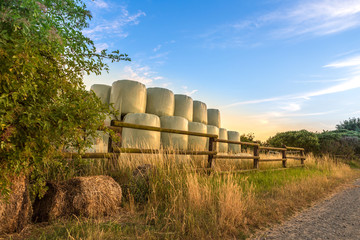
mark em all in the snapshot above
pixel 160 101
pixel 199 112
pixel 223 147
pixel 213 117
pixel 211 130
pixel 102 91
pixel 128 96
pixel 172 140
pixel 94 196
pixel 194 142
pixel 234 136
pixel 183 106
pixel 135 138
pixel 15 212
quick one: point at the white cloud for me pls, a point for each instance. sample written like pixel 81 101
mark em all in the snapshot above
pixel 263 100
pixel 349 62
pixel 351 81
pixel 157 48
pixel 349 84
pixel 291 107
pixel 143 74
pixel 100 3
pixel 105 28
pixel 299 18
pixel 188 92
pixel 159 55
pixel 101 46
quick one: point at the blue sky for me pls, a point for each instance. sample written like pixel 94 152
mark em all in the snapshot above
pixel 268 65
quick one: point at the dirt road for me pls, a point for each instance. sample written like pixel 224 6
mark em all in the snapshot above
pixel 335 218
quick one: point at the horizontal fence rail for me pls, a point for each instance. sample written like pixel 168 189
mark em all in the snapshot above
pixel 115 151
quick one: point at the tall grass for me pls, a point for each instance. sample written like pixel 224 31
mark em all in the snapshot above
pixel 178 201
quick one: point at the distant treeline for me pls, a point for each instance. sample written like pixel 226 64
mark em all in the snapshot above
pixel 345 140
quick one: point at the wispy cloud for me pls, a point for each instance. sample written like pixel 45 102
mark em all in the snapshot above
pixel 349 62
pixel 159 55
pixel 188 92
pixel 349 82
pixel 100 3
pixel 113 28
pixel 301 18
pixel 143 74
pixel 157 48
pixel 101 46
pixel 321 17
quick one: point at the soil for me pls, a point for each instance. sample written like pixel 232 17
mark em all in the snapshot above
pixel 337 217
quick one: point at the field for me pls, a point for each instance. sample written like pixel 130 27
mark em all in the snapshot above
pixel 179 202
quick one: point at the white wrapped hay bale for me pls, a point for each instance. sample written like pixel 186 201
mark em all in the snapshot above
pixel 234 136
pixel 172 140
pixel 160 101
pixel 211 130
pixel 199 112
pixel 223 135
pixel 213 117
pixel 128 96
pixel 184 106
pixel 100 144
pixel 102 91
pixel 195 142
pixel 136 138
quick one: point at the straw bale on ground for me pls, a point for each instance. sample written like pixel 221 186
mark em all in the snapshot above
pixel 15 213
pixel 93 196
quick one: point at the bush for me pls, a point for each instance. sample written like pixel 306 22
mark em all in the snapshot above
pixel 303 138
pixel 44 106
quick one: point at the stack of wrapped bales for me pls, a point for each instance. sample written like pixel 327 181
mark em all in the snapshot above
pixel 130 99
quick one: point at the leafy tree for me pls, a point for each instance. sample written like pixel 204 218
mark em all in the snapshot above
pixel 303 138
pixel 43 103
pixel 247 138
pixel 351 124
pixel 340 142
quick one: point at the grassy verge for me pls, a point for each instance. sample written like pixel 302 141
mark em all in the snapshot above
pixel 179 203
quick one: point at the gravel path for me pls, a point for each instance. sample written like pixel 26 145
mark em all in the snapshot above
pixel 335 218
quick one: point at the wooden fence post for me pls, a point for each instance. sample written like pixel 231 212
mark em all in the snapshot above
pixel 302 154
pixel 110 143
pixel 211 148
pixel 284 157
pixel 256 155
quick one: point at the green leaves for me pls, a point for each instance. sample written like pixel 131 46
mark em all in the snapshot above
pixel 44 106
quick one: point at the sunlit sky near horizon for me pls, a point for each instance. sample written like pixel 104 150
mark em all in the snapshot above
pixel 268 65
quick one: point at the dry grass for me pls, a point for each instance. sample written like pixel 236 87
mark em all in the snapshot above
pixel 181 203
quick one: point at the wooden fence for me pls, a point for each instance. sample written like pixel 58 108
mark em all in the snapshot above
pixel 114 149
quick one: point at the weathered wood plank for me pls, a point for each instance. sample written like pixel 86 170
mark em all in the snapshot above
pixel 235 157
pixel 116 124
